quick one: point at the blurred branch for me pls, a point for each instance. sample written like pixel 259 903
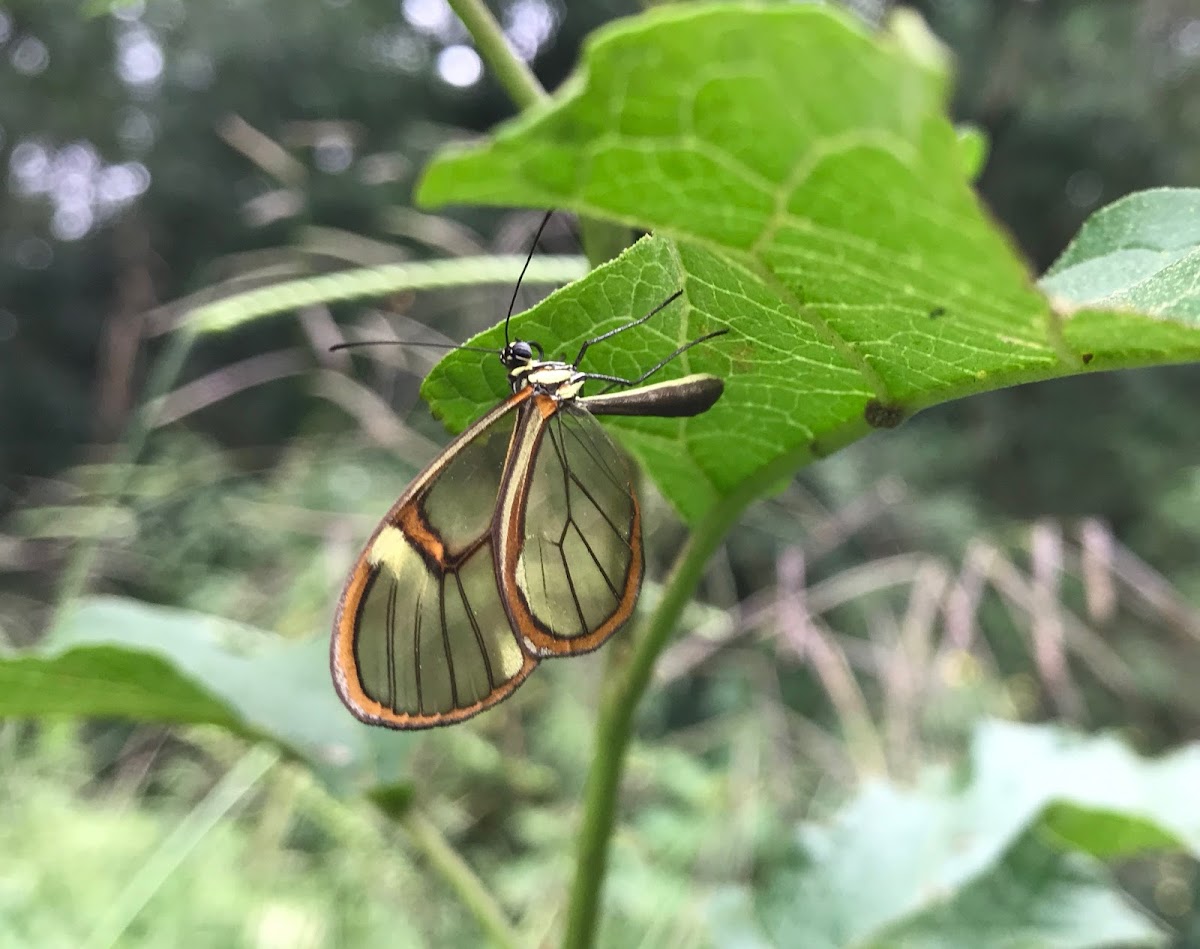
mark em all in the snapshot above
pixel 760 610
pixel 451 867
pixel 1017 590
pixel 433 230
pixel 280 282
pixel 279 204
pixel 349 247
pixel 962 603
pixel 905 673
pixel 809 641
pixel 1155 592
pixel 188 833
pixel 322 331
pixel 123 331
pixel 165 371
pixel 366 282
pixel 219 385
pixel 262 150
pixel 374 416
pixel 266 268
pixel 1096 570
pixel 1046 624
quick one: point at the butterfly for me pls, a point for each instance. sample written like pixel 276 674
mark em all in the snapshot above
pixel 521 541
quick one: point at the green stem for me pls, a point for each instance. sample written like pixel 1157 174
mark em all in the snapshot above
pixel 615 727
pixel 516 77
pixel 601 241
pixel 455 871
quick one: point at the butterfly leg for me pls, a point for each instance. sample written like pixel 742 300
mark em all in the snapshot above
pixel 618 381
pixel 625 326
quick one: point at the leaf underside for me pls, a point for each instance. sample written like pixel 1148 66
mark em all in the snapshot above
pixel 808 192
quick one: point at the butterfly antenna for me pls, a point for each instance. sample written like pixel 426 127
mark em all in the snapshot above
pixel 406 342
pixel 517 289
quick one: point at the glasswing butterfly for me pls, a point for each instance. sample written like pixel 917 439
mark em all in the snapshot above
pixel 521 541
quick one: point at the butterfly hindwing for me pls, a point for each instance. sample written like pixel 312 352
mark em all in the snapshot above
pixel 570 548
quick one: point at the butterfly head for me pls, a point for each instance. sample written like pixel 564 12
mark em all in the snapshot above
pixel 519 356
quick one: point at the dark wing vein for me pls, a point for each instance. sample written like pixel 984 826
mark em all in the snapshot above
pixel 583 623
pixel 417 651
pixel 600 508
pixel 598 459
pixel 556 439
pixel 542 558
pixel 561 451
pixel 390 643
pixel 487 662
pixel 446 645
pixel 596 560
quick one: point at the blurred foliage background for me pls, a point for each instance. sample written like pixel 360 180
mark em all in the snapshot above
pixel 169 151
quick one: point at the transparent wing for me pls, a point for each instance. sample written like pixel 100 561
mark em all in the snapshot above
pixel 570 532
pixel 422 636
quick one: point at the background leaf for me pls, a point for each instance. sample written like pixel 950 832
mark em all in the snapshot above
pixel 1035 896
pixel 121 658
pixel 1139 253
pixel 1005 857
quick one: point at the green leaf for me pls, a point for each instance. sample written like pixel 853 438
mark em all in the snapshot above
pixel 1009 853
pixel 1095 794
pixel 1107 834
pixel 1033 897
pixel 807 191
pixel 973 147
pixel 121 658
pixel 1139 253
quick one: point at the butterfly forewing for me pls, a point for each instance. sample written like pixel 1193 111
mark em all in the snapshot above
pixel 422 636
pixel 461 500
pixel 571 556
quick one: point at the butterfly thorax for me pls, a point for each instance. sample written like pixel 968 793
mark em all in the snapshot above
pixel 560 380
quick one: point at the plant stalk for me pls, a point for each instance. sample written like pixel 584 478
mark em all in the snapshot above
pixel 615 727
pixel 601 241
pixel 510 69
pixel 451 867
